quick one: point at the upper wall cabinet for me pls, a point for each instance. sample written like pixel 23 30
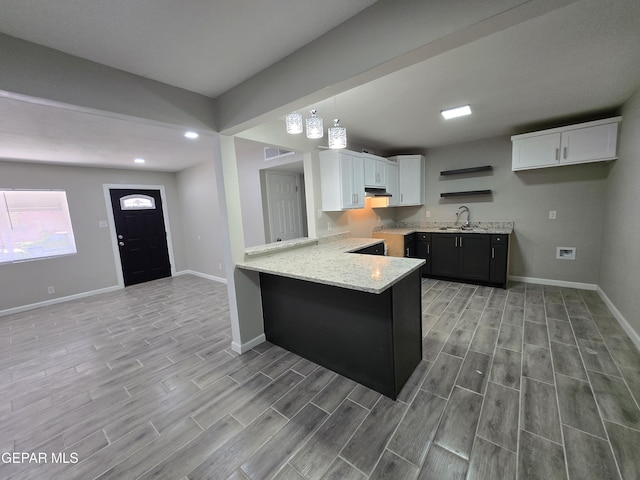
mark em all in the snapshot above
pixel 342 178
pixel 393 187
pixel 375 171
pixel 411 179
pixel 582 143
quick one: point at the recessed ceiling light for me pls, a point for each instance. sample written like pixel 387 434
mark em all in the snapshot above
pixel 139 160
pixel 191 134
pixel 456 112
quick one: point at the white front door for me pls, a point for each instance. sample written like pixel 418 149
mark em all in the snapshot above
pixel 285 205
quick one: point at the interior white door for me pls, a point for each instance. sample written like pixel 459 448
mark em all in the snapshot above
pixel 285 206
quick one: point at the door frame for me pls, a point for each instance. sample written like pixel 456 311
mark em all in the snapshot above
pixel 301 194
pixel 106 187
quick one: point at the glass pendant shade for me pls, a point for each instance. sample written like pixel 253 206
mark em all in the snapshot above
pixel 337 135
pixel 315 128
pixel 294 122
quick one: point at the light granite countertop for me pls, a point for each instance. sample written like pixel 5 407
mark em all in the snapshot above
pixel 501 228
pixel 331 263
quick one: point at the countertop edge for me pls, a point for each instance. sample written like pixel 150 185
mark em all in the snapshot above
pixel 332 252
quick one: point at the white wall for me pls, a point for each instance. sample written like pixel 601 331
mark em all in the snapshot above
pixel 203 227
pixel 94 266
pixel 621 224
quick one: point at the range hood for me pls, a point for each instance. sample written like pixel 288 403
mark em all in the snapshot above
pixel 377 197
pixel 375 192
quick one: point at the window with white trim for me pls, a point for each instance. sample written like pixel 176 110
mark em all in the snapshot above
pixel 34 224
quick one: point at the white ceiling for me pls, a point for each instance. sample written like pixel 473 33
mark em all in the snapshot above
pixel 578 62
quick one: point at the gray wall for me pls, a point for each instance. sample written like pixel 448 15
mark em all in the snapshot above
pixel 42 72
pixel 253 204
pixel 621 253
pixel 203 228
pixel 576 192
pixel 94 266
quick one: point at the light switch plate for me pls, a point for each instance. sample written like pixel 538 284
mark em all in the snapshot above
pixel 552 214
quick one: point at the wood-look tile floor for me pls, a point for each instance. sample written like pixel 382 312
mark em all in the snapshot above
pixel 527 383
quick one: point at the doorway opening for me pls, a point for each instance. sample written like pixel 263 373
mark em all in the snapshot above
pixel 284 203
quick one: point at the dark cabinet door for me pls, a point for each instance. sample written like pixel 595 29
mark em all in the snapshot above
pixel 444 256
pixel 499 259
pixel 410 246
pixel 474 262
pixel 423 250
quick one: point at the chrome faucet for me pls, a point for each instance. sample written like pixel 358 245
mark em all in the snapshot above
pixel 461 210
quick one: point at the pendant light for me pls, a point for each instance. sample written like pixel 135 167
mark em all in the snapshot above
pixel 315 128
pixel 294 122
pixel 337 135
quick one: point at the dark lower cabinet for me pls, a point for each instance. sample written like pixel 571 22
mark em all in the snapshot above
pixel 410 245
pixel 445 257
pixel 374 339
pixel 423 250
pixel 471 257
pixel 377 249
pixel 499 259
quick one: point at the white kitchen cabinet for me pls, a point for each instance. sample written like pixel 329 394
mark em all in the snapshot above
pixel 392 184
pixel 582 143
pixel 375 169
pixel 342 180
pixel 411 179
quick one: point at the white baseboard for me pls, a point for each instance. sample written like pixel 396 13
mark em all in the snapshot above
pixel 555 283
pixel 53 301
pixel 633 335
pixel 202 275
pixel 246 346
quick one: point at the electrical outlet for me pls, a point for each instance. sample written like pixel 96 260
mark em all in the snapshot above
pixel 219 266
pixel 552 214
pixel 428 213
pixel 319 214
pixel 329 226
pixel 51 290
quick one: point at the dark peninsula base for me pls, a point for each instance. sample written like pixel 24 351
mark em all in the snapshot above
pixel 374 339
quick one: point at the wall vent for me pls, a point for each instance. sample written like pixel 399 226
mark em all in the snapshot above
pixel 271 153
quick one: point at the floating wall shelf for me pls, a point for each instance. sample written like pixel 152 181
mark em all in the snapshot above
pixel 484 168
pixel 470 192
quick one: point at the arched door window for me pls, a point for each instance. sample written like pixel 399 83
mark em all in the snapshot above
pixel 137 202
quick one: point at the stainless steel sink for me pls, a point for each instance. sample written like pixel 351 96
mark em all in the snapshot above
pixel 463 229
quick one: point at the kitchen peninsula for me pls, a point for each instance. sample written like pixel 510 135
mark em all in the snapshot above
pixel 356 314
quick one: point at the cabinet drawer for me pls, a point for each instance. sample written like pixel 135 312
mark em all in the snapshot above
pixel 501 239
pixel 424 237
